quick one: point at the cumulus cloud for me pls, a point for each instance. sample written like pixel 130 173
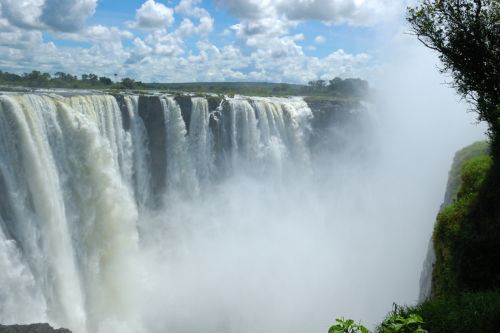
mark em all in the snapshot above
pixel 319 39
pixel 165 44
pixel 262 27
pixel 15 38
pixel 271 51
pixel 206 25
pixel 67 15
pixel 191 8
pixel 24 50
pixel 22 13
pixel 225 32
pixel 356 12
pixel 276 54
pixel 153 15
pixel 55 15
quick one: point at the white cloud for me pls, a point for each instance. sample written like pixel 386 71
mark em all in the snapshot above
pixel 262 28
pixel 271 52
pixel 190 8
pixel 16 38
pixel 56 15
pixel 165 44
pixel 152 15
pixel 353 12
pixel 186 28
pixel 67 15
pixel 206 25
pixel 225 32
pixel 319 39
pixel 22 13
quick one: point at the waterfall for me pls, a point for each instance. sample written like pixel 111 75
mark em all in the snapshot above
pixel 35 192
pixel 141 166
pixel 79 174
pixel 180 170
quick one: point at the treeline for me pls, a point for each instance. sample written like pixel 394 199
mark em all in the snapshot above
pixel 336 88
pixel 37 79
pixel 232 88
pixel 340 87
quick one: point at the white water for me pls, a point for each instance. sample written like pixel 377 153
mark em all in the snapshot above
pixel 76 186
pixel 242 225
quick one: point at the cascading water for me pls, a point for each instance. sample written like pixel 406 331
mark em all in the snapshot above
pixel 79 175
pixel 68 206
pixel 182 214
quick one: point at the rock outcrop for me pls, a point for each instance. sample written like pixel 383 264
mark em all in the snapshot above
pixel 33 328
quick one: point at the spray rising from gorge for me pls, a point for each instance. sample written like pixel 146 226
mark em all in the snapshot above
pixel 81 176
pixel 177 213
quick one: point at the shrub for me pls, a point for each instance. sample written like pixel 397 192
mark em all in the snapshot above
pixel 401 320
pixel 454 231
pixel 347 326
pixel 460 313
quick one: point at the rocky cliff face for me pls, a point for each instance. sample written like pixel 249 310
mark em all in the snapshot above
pixel 463 155
pixel 33 328
pixel 332 126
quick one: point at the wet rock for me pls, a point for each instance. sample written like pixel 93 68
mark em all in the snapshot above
pixel 151 112
pixel 33 328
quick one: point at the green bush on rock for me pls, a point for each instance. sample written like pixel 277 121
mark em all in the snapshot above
pixel 454 227
pixel 400 322
pixel 347 326
pixel 460 313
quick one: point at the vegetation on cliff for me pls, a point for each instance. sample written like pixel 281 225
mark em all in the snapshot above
pixel 466 35
pixel 336 88
pixel 464 312
pixel 456 305
pixel 454 231
pixel 466 276
pixel 37 79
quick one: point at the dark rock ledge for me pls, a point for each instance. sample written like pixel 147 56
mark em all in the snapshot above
pixel 33 328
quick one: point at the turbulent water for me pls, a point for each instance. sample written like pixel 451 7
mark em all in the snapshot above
pixel 188 214
pixel 89 184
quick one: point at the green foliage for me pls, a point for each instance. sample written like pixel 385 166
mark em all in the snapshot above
pixel 38 79
pixel 479 148
pixel 452 228
pixel 460 313
pixel 466 35
pixel 347 326
pixel 474 172
pixel 352 87
pixel 343 89
pixel 400 322
pixel 338 89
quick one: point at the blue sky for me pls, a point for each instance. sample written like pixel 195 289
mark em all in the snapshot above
pixel 197 40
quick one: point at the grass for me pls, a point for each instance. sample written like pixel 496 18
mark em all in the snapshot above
pixel 467 312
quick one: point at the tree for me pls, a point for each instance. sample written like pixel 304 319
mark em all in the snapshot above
pixel 466 35
pixel 105 80
pixel 348 87
pixel 317 85
pixel 128 83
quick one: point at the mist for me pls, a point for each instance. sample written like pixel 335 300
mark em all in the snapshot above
pixel 271 233
pixel 290 251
